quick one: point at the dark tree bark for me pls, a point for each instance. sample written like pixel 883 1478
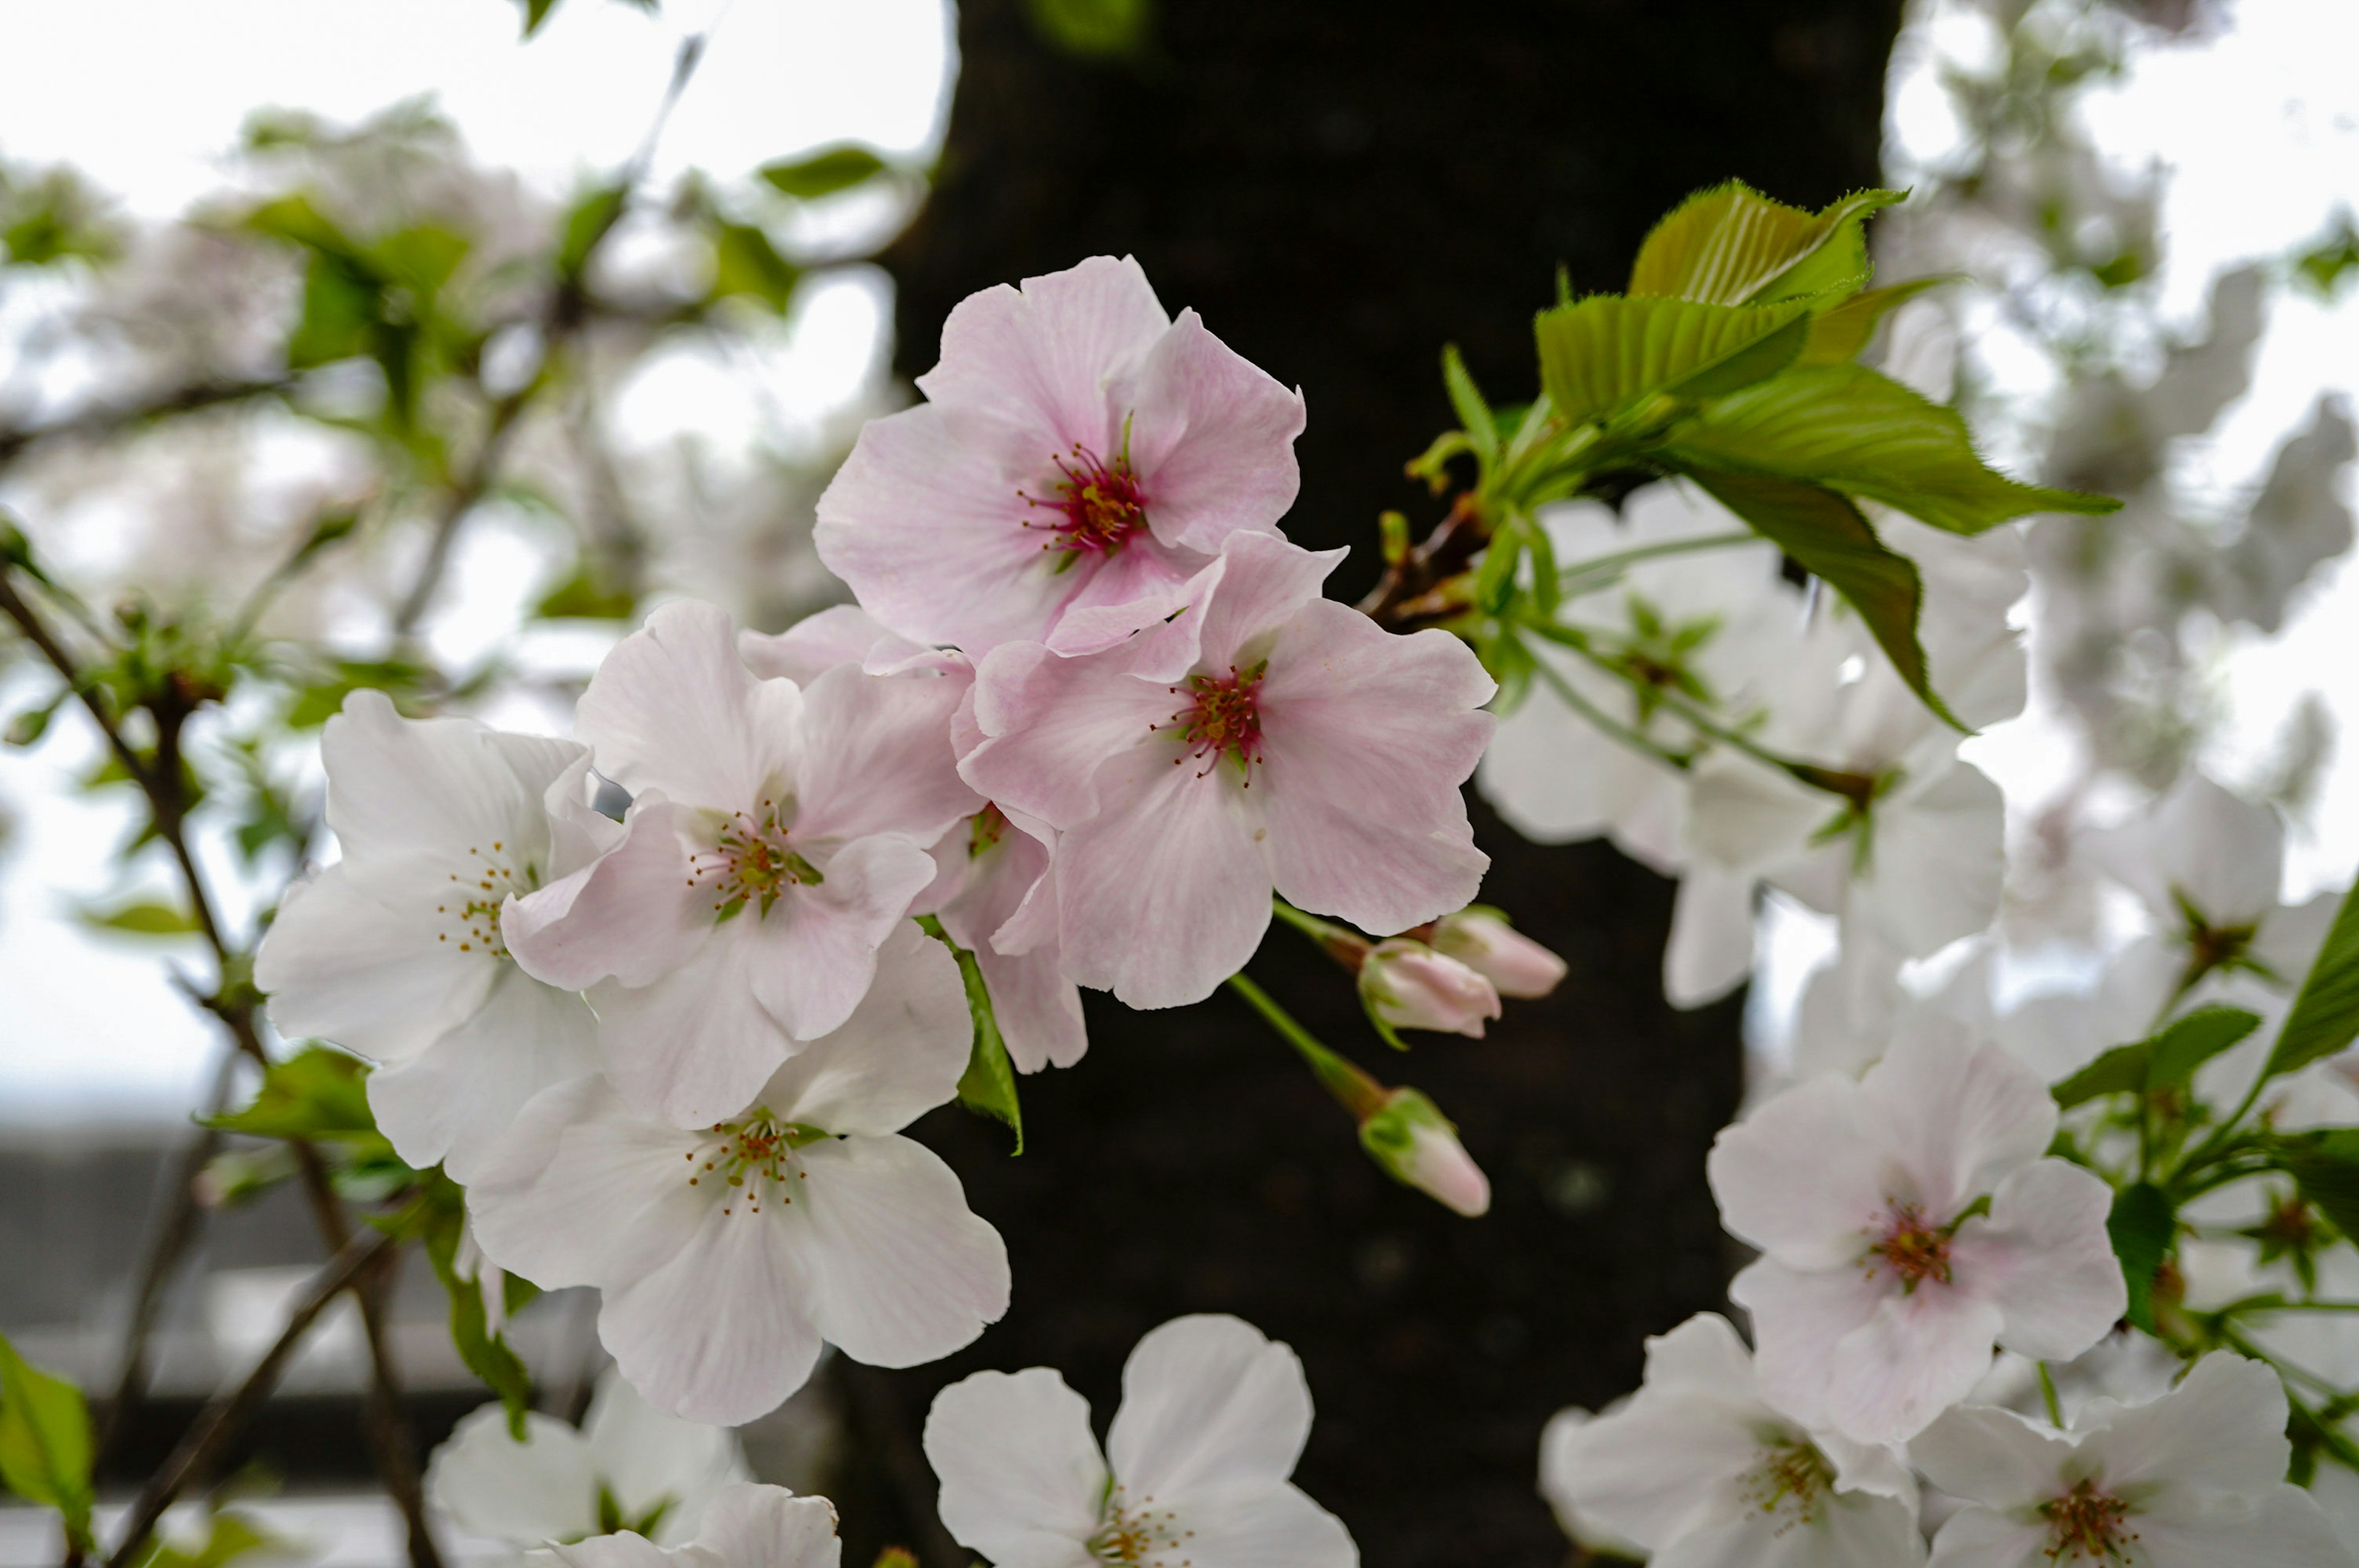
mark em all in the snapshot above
pixel 1341 188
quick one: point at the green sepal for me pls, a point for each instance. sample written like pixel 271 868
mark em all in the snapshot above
pixel 2142 1225
pixel 988 1084
pixel 2166 1061
pixel 2325 1016
pixel 747 265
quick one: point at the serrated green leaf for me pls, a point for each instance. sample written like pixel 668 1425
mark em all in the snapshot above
pixel 1838 332
pixel 142 919
pixel 2325 1016
pixel 2168 1060
pixel 1603 353
pixel 1848 428
pixel 1475 415
pixel 1830 538
pixel 45 1448
pixel 2143 1225
pixel 988 1084
pixel 825 172
pixel 1731 246
pixel 745 263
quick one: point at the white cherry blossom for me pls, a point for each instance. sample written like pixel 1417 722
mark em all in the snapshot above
pixel 1194 1473
pixel 727 1254
pixel 746 1526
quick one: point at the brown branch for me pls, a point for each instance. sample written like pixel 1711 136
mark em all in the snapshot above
pixel 229 1413
pixel 112 418
pixel 1411 589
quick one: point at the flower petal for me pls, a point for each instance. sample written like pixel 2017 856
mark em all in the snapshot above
pixel 407 787
pixel 874 756
pixel 1052 722
pixel 1960 1117
pixel 751 1526
pixel 2224 1426
pixel 1938 859
pixel 899 1055
pixel 722 1332
pixel 1796 1179
pixel 1264 584
pixel 901 1270
pixel 1277 1528
pixel 674 708
pixel 346 963
pixel 633 915
pixel 1213 438
pixel 1021 1475
pixel 526 1494
pixel 1916 1355
pixel 2043 1256
pixel 1209 1407
pixel 646 1458
pixel 1710 948
pixel 819 944
pixel 1799 1321
pixel 1993 1457
pixel 696 1045
pixel 450 1104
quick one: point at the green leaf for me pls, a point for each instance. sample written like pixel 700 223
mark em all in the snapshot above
pixel 422 257
pixel 318 1093
pixel 1602 353
pixel 438 1217
pixel 1731 246
pixel 45 1450
pixel 746 263
pixel 2325 1016
pixel 1838 332
pixel 1827 535
pixel 535 12
pixel 1475 415
pixel 593 215
pixel 2143 1225
pixel 826 171
pixel 2168 1060
pixel 2325 1166
pixel 229 1535
pixel 142 919
pixel 1850 429
pixel 582 596
pixel 1093 28
pixel 988 1084
pixel 342 307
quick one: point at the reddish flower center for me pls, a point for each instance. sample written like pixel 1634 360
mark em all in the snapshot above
pixel 1098 505
pixel 2086 1525
pixel 1223 719
pixel 1914 1249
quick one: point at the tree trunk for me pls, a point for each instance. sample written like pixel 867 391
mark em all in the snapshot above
pixel 1339 189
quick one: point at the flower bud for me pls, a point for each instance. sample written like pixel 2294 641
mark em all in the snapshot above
pixel 1408 985
pixel 1482 939
pixel 1417 1146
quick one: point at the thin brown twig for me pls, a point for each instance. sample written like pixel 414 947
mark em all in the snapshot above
pixel 1406 593
pixel 111 418
pixel 229 1413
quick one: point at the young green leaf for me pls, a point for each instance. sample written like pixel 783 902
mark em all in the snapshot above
pixel 2168 1060
pixel 439 1217
pixel 1731 246
pixel 1838 332
pixel 142 919
pixel 825 172
pixel 1829 539
pixel 2143 1225
pixel 1475 415
pixel 1601 354
pixel 318 1093
pixel 44 1449
pixel 2325 1166
pixel 229 1535
pixel 988 1084
pixel 593 214
pixel 2325 1016
pixel 1850 429
pixel 744 262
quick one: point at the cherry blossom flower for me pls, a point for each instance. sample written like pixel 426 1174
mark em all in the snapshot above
pixel 2194 1479
pixel 728 1253
pixel 398 951
pixel 1194 1473
pixel 1265 738
pixel 1408 985
pixel 1419 1147
pixel 1907 1221
pixel 1481 938
pixel 776 835
pixel 1080 455
pixel 746 1526
pixel 1699 1471
pixel 629 1467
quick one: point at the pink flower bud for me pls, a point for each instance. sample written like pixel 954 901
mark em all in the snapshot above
pixel 1417 1146
pixel 1408 985
pixel 1482 939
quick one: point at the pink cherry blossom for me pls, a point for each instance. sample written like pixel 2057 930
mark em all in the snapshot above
pixel 1264 737
pixel 1080 456
pixel 1907 1222
pixel 776 836
pixel 1482 939
pixel 1408 985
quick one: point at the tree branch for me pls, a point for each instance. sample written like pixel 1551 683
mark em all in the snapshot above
pixel 111 418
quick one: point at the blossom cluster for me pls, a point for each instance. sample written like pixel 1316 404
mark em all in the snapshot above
pixel 1089 718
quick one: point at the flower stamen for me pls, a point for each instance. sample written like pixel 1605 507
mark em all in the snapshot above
pixel 1223 719
pixel 1139 1537
pixel 1099 505
pixel 476 899
pixel 754 1156
pixel 1790 1483
pixel 751 862
pixel 1914 1249
pixel 2086 1525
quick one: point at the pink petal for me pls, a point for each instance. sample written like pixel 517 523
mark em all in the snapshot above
pixel 631 916
pixel 1266 582
pixel 1213 439
pixel 1166 893
pixel 2044 1258
pixel 821 942
pixel 1052 722
pixel 1368 737
pixel 1957 1115
pixel 840 634
pixel 1144 582
pixel 1040 1011
pixel 984 891
pixel 673 708
pixel 875 757
pixel 1796 1178
pixel 695 1045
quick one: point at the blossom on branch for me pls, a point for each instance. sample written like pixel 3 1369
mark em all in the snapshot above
pixel 728 1253
pixel 1408 985
pixel 1482 939
pixel 1264 737
pixel 1907 1221
pixel 1194 1470
pixel 747 1526
pixel 1078 457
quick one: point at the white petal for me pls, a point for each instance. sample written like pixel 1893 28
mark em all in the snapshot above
pixel 345 962
pixel 1993 1456
pixel 542 1489
pixel 2222 853
pixel 645 1457
pixel 1710 948
pixel 1650 1470
pixel 1701 1355
pixel 696 1045
pixel 633 915
pixel 1022 1478
pixel 820 943
pixel 673 708
pixel 625 1550
pixel 873 755
pixel 439 786
pixel 899 1054
pixel 2222 1426
pixel 1936 862
pixel 750 1526
pixel 840 634
pixel 2044 1258
pixel 2282 1528
pixel 450 1104
pixel 1209 1404
pixel 1746 818
pixel 1959 1116
pixel 1799 1323
pixel 901 1270
pixel 722 1332
pixel 1852 1531
pixel 1797 1179
pixel 1916 1355
pixel 1277 1526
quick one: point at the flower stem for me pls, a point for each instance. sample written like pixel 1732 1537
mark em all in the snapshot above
pixel 2048 1396
pixel 1605 722
pixel 1353 1089
pixel 1606 568
pixel 1341 942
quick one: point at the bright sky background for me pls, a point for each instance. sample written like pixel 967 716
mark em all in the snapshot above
pixel 2259 128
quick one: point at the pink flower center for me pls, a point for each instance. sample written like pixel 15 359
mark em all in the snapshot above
pixel 1223 719
pixel 1098 505
pixel 2086 1525
pixel 1914 1249
pixel 750 862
